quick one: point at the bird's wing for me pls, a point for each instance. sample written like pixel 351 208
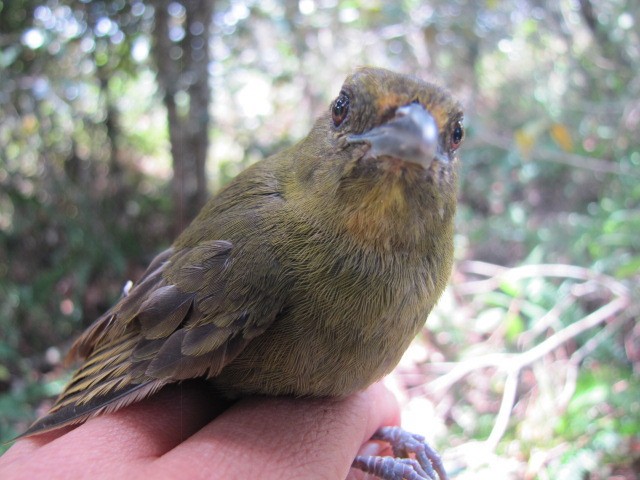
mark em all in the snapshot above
pixel 185 318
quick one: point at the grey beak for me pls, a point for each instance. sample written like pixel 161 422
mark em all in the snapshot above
pixel 411 135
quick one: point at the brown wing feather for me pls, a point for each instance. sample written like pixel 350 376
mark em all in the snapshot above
pixel 177 322
pixel 102 385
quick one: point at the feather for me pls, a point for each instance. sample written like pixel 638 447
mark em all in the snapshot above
pixel 73 413
pixel 162 311
pixel 307 275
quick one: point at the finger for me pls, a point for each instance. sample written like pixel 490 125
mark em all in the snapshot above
pixel 273 438
pixel 153 426
pixel 139 432
pixel 26 445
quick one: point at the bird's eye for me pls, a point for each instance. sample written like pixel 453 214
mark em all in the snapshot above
pixel 457 136
pixel 340 109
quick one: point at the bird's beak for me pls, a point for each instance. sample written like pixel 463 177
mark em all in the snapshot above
pixel 411 135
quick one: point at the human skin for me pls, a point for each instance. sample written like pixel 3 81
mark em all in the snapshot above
pixel 178 433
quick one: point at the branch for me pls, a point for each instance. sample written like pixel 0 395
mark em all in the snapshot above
pixel 514 363
pixel 536 353
pixel 501 274
pixel 572 159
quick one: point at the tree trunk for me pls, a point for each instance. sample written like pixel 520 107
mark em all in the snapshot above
pixel 183 77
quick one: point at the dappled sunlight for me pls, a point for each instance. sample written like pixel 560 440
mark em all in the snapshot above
pixel 528 366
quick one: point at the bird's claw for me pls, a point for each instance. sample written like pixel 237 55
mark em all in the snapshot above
pixel 424 466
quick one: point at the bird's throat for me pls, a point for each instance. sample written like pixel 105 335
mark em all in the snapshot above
pixel 387 217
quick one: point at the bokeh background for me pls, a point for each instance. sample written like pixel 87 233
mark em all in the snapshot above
pixel 117 118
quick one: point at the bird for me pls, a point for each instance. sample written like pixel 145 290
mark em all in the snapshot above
pixel 308 275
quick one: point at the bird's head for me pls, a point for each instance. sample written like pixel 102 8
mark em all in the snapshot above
pixel 385 152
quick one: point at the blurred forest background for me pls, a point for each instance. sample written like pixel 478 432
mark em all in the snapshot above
pixel 117 118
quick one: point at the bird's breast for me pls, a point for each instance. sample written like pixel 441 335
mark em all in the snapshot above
pixel 347 320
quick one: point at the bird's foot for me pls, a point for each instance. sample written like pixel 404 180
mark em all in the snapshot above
pixel 424 466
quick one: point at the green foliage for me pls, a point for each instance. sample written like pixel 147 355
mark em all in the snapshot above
pixel 18 404
pixel 77 216
pixel 550 174
pixel 601 421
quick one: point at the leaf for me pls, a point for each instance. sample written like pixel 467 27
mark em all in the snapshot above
pixel 513 289
pixel 629 269
pixel 525 142
pixel 9 55
pixel 514 326
pixel 561 135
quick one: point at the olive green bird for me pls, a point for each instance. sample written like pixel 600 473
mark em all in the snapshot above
pixel 308 275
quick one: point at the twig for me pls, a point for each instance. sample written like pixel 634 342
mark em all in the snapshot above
pixel 527 358
pixel 572 159
pixel 590 345
pixel 465 367
pixel 502 274
pixel 514 363
pixel 552 317
pixel 517 361
pixel 577 357
pixel 506 405
pixel 572 331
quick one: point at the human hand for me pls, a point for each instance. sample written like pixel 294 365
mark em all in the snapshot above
pixel 174 434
